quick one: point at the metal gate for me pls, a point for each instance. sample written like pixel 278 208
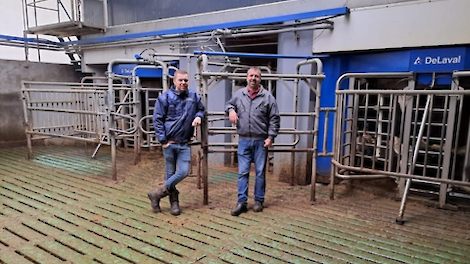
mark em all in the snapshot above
pixel 209 78
pixel 96 112
pixel 396 130
pixel 103 111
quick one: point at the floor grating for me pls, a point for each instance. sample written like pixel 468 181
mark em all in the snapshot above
pixel 63 207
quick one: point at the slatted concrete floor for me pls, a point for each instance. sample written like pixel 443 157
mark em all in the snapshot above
pixel 62 207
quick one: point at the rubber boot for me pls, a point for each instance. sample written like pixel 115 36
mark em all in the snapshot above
pixel 258 207
pixel 174 203
pixel 155 196
pixel 240 208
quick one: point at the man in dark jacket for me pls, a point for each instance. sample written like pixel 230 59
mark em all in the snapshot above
pixel 254 110
pixel 177 112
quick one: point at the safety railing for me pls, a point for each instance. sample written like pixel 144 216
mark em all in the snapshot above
pixel 45 15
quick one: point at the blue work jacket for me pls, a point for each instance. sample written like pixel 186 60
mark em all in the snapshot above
pixel 174 114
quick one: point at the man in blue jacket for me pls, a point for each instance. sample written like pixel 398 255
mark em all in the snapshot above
pixel 177 112
pixel 254 110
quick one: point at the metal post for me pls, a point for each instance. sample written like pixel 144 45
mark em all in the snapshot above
pixel 75 8
pixel 28 120
pixel 448 147
pixel 202 66
pixel 338 125
pixel 316 122
pixel 138 112
pixel 399 219
pixel 198 168
pixel 105 14
pixel 294 125
pixel 111 134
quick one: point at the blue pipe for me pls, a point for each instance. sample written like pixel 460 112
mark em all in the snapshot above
pixel 48 42
pixel 259 55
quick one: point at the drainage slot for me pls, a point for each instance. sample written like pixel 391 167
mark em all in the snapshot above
pixel 14 233
pixel 52 253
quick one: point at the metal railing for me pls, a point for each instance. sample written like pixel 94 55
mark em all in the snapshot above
pixel 97 113
pixel 409 135
pixel 41 13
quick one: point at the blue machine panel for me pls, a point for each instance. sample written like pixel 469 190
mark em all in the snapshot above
pixel 126 69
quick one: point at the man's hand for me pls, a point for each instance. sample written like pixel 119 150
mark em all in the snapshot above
pixel 268 143
pixel 196 121
pixel 233 117
pixel 166 145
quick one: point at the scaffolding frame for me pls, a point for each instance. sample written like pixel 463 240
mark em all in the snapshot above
pixel 66 16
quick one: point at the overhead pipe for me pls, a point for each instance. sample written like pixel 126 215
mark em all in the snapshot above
pixel 258 55
pixel 184 37
pixel 235 24
pixel 267 76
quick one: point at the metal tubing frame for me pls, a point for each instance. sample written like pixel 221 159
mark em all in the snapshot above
pixel 316 120
pixel 110 109
pixel 202 63
pixel 136 85
pixel 409 176
pixel 103 90
pixel 74 90
pixel 204 75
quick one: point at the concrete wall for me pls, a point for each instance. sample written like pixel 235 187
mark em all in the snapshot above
pixel 293 43
pixel 11 106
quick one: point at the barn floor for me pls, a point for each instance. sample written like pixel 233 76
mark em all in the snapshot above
pixel 62 207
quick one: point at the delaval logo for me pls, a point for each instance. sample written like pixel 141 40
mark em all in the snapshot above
pixel 437 60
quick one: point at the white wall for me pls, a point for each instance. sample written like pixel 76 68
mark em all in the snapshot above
pixel 11 23
pixel 411 24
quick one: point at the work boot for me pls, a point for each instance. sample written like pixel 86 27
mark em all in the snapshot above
pixel 174 203
pixel 240 208
pixel 258 207
pixel 155 196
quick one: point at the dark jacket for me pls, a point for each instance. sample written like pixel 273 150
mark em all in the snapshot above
pixel 257 118
pixel 174 114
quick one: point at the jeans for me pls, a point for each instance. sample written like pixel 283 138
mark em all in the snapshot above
pixel 251 151
pixel 176 155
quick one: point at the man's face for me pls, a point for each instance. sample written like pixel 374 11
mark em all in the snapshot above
pixel 181 82
pixel 253 78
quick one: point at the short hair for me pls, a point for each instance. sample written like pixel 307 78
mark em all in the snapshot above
pixel 255 68
pixel 180 72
